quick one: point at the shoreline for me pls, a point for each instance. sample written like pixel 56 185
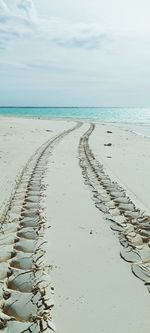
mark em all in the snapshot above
pixel 130 125
pixel 81 249
pixel 96 120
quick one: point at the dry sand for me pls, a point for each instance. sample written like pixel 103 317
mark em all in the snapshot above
pixel 71 169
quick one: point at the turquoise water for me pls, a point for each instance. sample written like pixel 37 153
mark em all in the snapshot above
pixel 134 115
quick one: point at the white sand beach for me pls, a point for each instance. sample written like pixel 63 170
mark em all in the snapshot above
pixel 81 193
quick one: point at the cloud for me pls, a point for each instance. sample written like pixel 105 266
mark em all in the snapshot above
pixel 22 21
pixel 3 8
pixel 73 35
pixel 16 24
pixel 83 41
pixel 27 8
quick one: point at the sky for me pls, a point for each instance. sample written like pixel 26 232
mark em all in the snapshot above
pixel 74 53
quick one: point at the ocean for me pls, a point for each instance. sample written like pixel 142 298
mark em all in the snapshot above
pixel 109 114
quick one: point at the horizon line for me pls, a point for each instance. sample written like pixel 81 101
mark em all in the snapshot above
pixel 67 107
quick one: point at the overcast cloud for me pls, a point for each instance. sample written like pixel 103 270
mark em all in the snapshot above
pixel 87 52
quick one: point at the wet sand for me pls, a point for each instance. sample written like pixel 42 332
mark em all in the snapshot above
pixel 74 228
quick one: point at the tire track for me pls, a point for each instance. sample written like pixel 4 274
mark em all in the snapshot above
pixel 131 224
pixel 26 295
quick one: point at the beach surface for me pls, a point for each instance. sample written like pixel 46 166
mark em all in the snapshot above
pixel 75 227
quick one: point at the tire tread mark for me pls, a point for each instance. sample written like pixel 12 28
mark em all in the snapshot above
pixel 130 223
pixel 26 294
